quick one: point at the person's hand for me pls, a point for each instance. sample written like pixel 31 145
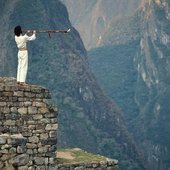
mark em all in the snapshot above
pixel 34 32
pixel 28 31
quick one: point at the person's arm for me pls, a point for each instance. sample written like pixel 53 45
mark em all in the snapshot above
pixel 32 37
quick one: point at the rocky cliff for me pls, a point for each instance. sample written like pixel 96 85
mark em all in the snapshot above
pixel 153 88
pixel 60 64
pixel 141 59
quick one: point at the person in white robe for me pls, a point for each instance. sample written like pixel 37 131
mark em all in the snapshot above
pixel 21 41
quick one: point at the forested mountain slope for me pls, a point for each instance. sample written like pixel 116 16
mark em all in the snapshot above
pixel 133 68
pixel 87 117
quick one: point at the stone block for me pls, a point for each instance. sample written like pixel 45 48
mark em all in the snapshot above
pixel 26 134
pixel 2 104
pixel 27 103
pixel 21 149
pixel 5 146
pixel 44 136
pixel 53 148
pixel 33 139
pixel 50 141
pixel 43 149
pixel 3 140
pixel 31 146
pixel 12 99
pixel 7 88
pixel 14 110
pixel 6 110
pixel 2 116
pixel 52 134
pixel 17 140
pixel 12 150
pixel 18 93
pixel 29 94
pixel 50 115
pixel 37 116
pixel 2 88
pixel 1 164
pixel 35 151
pixel 45 120
pixel 3 99
pixel 9 123
pixel 39 104
pixel 23 110
pixel 43 110
pixel 29 151
pixel 32 110
pixel 39 160
pixel 51 127
pixel 51 160
pixel 7 94
pixel 4 151
pixel 22 168
pixel 5 157
pixel 20 160
pixel 31 122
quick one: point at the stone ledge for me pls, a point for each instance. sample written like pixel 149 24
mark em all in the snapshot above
pixel 9 88
pixel 107 165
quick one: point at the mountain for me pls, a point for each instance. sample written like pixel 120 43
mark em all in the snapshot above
pixel 87 117
pixel 99 14
pixel 153 85
pixel 132 67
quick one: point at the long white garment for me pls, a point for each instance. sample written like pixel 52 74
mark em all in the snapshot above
pixel 22 66
pixel 23 56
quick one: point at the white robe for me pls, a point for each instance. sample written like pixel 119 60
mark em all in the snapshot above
pixel 23 56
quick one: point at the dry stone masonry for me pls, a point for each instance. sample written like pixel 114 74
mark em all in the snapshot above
pixel 103 165
pixel 28 130
pixel 28 127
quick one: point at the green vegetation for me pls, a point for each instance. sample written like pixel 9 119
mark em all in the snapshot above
pixel 114 68
pixel 77 155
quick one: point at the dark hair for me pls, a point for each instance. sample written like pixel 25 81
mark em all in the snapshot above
pixel 17 30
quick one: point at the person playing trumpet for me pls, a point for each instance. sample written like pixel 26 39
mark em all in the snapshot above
pixel 21 41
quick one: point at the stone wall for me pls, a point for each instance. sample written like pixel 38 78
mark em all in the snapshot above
pixel 28 127
pixel 28 130
pixel 104 165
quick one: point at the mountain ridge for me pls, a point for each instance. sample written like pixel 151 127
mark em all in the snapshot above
pixel 60 64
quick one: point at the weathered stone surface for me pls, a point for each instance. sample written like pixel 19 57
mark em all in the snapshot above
pixel 3 104
pixel 21 149
pixel 19 93
pixel 2 140
pixel 44 136
pixel 6 146
pixel 43 149
pixel 31 146
pixel 9 122
pixel 43 110
pixel 37 116
pixel 39 160
pixel 33 139
pixel 23 110
pixel 20 160
pixel 39 104
pixel 6 110
pixel 32 110
pixel 14 110
pixel 52 134
pixel 51 127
